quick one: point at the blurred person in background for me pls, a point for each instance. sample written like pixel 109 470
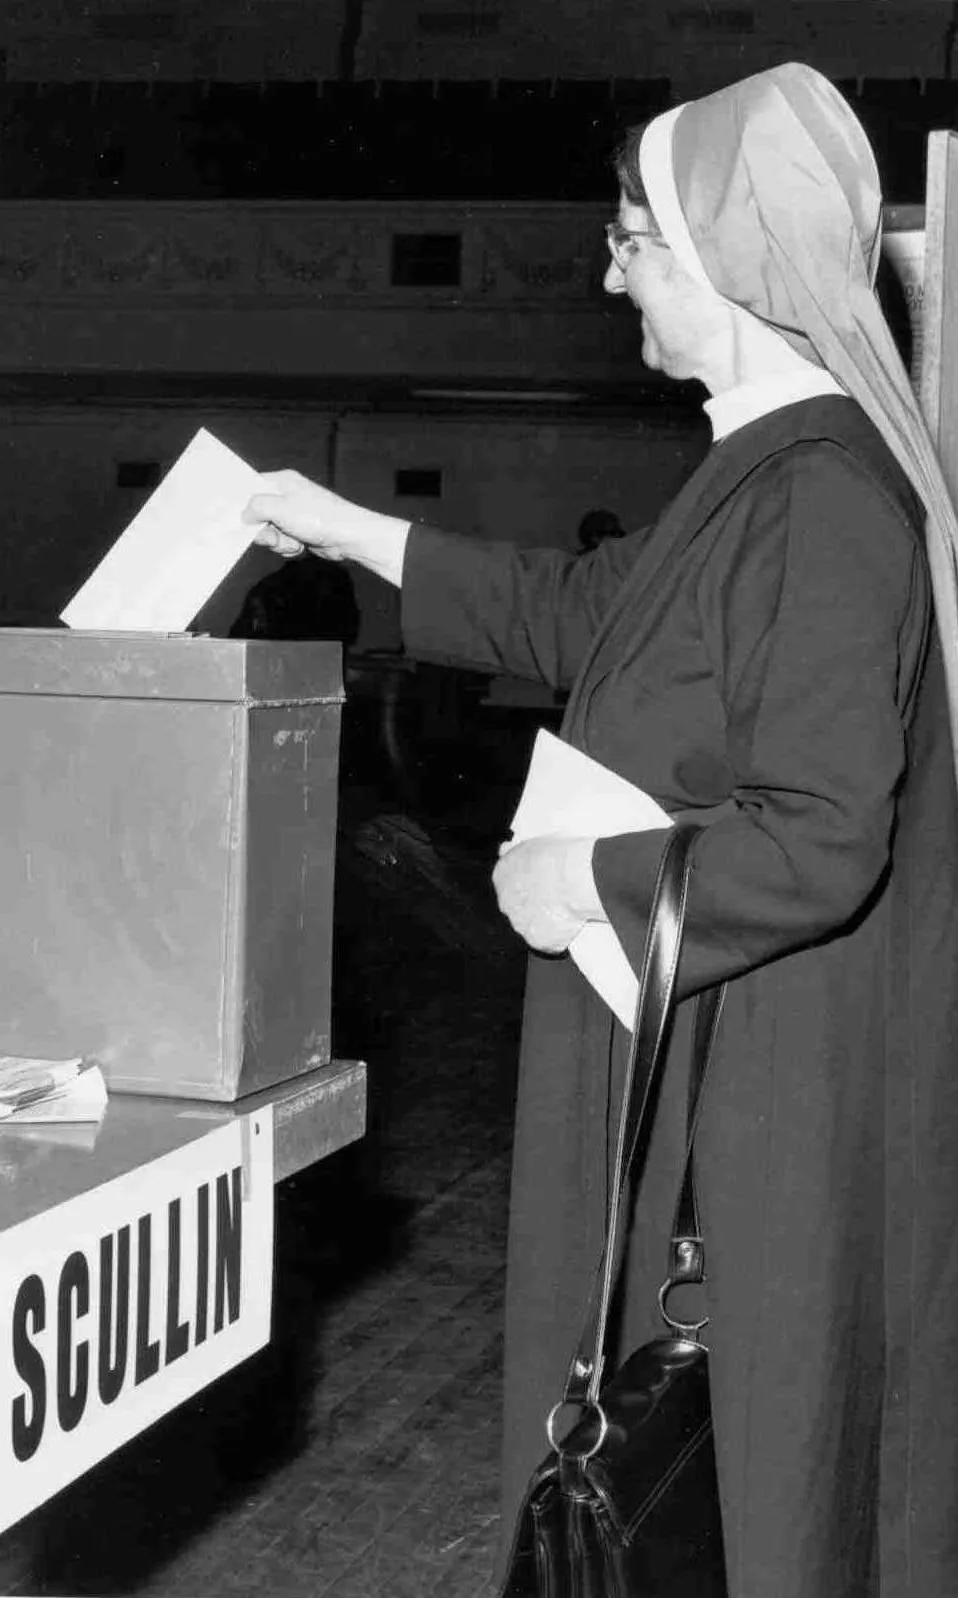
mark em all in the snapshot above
pixel 309 600
pixel 597 525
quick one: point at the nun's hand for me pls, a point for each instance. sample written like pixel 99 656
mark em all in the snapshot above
pixel 546 890
pixel 297 514
pixel 294 514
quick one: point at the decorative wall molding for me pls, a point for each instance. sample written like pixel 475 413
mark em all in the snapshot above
pixel 221 252
pixel 295 296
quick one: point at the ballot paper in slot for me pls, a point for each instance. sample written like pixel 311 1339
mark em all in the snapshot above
pixel 34 1091
pixel 567 794
pixel 177 550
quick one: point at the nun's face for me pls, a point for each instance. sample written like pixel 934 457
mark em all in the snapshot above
pixel 679 317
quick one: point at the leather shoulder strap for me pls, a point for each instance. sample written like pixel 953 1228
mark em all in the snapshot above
pixel 647 1054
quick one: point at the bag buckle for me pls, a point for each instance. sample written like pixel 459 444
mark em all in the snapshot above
pixel 686 1265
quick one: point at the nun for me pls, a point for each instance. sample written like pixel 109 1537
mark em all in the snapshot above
pixel 775 659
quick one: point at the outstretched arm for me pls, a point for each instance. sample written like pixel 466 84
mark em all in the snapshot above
pixel 297 514
pixel 469 602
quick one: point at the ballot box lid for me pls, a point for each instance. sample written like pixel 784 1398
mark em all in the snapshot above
pixel 116 665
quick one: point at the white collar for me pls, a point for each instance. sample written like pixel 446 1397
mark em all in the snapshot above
pixel 729 411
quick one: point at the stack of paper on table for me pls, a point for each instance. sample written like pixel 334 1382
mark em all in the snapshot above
pixel 569 795
pixel 43 1091
pixel 177 550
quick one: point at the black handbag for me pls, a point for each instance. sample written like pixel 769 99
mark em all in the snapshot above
pixel 625 1505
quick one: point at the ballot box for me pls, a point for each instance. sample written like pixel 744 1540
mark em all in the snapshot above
pixel 167 843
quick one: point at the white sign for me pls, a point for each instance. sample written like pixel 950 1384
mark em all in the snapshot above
pixel 176 550
pixel 123 1302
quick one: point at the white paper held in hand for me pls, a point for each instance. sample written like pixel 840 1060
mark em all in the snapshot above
pixel 567 794
pixel 176 550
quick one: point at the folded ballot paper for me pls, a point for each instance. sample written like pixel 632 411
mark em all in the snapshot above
pixel 49 1091
pixel 569 795
pixel 177 549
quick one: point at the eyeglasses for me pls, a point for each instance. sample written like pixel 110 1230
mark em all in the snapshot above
pixel 623 242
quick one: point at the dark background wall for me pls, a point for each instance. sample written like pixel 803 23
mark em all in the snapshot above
pixel 146 287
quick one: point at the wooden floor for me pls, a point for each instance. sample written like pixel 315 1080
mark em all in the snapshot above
pixel 357 1457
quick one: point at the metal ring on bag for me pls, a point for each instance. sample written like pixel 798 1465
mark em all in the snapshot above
pixel 603 1428
pixel 688 1329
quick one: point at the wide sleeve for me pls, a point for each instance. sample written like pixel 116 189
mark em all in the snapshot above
pixel 500 608
pixel 813 604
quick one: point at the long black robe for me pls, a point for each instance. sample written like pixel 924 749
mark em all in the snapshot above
pixel 763 660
